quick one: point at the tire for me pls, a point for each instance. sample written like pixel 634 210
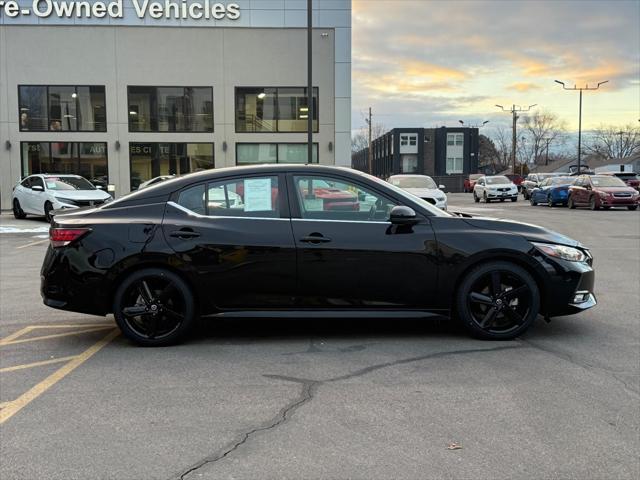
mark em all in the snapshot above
pixel 486 199
pixel 475 198
pixel 47 211
pixel 532 201
pixel 632 207
pixel 592 203
pixel 497 315
pixel 514 199
pixel 154 290
pixel 549 202
pixel 525 194
pixel 18 213
pixel 570 203
pixel 502 199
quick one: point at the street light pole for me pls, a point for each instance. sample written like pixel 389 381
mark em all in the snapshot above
pixel 514 139
pixel 311 110
pixel 586 87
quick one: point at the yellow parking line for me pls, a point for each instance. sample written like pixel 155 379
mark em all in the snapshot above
pixel 4 404
pixel 37 364
pixel 23 400
pixel 32 244
pixel 55 335
pixel 17 334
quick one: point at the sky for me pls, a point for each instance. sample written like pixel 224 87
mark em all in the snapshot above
pixel 426 63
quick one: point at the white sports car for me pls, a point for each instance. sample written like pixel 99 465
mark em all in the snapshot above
pixel 40 194
pixel 421 186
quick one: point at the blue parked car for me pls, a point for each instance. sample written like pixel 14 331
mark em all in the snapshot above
pixel 552 191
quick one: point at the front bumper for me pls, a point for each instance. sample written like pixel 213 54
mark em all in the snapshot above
pixel 618 202
pixel 510 194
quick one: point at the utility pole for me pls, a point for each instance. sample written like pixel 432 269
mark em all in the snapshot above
pixel 514 138
pixel 621 133
pixel 586 87
pixel 311 110
pixel 369 158
pixel 546 156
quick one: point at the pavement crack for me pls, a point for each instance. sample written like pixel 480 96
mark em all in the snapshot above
pixel 306 394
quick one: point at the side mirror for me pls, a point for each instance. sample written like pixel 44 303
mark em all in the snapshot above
pixel 402 215
pixel 37 188
pixel 441 187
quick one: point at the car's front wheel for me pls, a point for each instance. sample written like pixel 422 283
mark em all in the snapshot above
pixel 47 211
pixel 632 207
pixel 570 203
pixel 497 301
pixel 475 198
pixel 17 210
pixel 154 307
pixel 592 203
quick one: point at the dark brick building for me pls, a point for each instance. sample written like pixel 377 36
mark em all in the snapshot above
pixel 437 152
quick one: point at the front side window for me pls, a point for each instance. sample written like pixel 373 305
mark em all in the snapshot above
pixel 170 109
pixel 62 108
pixel 87 159
pixel 259 153
pixel 239 197
pixel 327 198
pixel 150 160
pixel 274 109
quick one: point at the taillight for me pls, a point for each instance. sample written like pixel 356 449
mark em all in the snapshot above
pixel 61 237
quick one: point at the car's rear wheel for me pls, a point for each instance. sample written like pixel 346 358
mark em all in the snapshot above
pixel 497 301
pixel 154 307
pixel 592 203
pixel 17 210
pixel 47 211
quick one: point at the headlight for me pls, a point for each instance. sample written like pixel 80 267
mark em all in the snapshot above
pixel 561 251
pixel 603 194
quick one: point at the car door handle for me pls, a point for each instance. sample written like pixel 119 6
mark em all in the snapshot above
pixel 184 234
pixel 315 238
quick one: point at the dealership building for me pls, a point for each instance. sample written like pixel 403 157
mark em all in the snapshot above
pixel 123 91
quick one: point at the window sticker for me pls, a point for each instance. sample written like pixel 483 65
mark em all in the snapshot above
pixel 313 204
pixel 257 195
pixel 51 184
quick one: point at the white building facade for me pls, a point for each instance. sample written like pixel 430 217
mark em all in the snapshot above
pixel 124 91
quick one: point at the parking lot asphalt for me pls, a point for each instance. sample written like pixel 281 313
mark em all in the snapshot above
pixel 311 398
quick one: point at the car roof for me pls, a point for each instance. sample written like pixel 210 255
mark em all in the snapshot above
pixel 58 175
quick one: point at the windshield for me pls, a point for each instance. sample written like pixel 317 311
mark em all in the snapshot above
pixel 607 182
pixel 626 176
pixel 413 182
pixel 475 176
pixel 497 180
pixel 547 175
pixel 68 183
pixel 562 180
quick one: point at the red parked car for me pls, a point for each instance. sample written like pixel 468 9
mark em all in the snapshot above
pixel 516 179
pixel 471 181
pixel 602 191
pixel 630 178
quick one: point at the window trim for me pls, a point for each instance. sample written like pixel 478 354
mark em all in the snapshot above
pixel 57 132
pixel 277 108
pixel 213 147
pixel 213 110
pixel 76 158
pixel 315 144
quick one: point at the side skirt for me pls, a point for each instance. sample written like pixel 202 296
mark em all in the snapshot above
pixel 328 314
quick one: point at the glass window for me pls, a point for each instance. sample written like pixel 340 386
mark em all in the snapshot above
pixel 37 181
pixel 150 160
pixel 272 109
pixel 193 199
pixel 326 198
pixel 404 140
pixel 62 108
pixel 33 108
pixel 293 111
pixel 454 165
pixel 451 139
pixel 258 153
pixel 170 109
pixel 68 183
pixel 87 159
pixel 244 197
pixel 459 138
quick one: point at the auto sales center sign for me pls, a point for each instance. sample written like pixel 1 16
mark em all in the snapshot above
pixel 178 9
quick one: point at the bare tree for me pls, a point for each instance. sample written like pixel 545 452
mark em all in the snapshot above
pixel 611 141
pixel 360 139
pixel 501 137
pixel 539 128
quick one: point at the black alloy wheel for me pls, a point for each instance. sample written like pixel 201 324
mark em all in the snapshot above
pixel 154 307
pixel 47 211
pixel 498 301
pixel 17 210
pixel 532 201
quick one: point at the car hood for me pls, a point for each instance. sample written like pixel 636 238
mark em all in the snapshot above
pixel 425 192
pixel 530 232
pixel 615 189
pixel 80 194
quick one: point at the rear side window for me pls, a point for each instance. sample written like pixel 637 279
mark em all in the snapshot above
pixel 26 183
pixel 238 197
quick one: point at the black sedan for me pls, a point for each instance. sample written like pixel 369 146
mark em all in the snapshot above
pixel 300 241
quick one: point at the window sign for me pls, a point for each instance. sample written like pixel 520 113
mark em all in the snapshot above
pixel 257 194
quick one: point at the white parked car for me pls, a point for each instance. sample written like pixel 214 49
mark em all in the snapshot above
pixel 421 186
pixel 155 180
pixel 39 194
pixel 496 187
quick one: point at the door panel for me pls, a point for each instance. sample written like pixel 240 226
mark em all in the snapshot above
pixel 242 254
